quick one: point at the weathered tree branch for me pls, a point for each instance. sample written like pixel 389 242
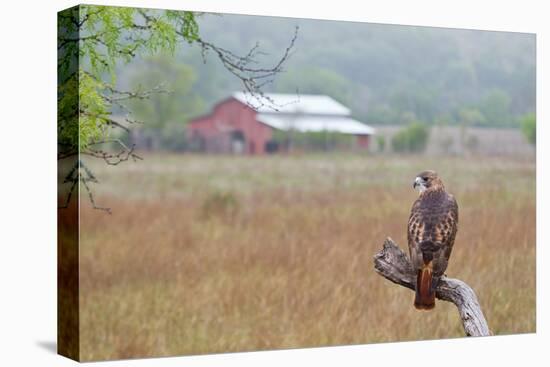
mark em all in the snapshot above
pixel 252 76
pixel 392 263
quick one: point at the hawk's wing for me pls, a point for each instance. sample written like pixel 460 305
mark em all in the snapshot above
pixel 445 233
pixel 432 229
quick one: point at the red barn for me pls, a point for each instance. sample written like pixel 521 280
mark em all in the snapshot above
pixel 243 124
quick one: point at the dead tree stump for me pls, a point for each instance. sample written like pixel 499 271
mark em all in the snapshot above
pixel 392 263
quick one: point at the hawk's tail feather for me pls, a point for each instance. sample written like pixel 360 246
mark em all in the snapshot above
pixel 425 295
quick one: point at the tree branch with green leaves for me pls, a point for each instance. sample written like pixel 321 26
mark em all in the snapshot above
pixel 93 40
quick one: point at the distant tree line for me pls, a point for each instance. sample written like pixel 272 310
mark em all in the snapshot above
pixel 386 74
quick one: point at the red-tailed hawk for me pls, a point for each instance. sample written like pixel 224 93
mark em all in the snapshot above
pixel 431 234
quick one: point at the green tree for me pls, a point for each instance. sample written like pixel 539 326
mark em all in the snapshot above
pixel 414 102
pixel 529 128
pixel 495 107
pixel 471 117
pixel 411 139
pixel 178 104
pixel 165 113
pixel 92 41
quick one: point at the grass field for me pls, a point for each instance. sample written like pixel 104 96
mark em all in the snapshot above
pixel 208 254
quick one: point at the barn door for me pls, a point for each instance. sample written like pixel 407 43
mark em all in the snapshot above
pixel 237 142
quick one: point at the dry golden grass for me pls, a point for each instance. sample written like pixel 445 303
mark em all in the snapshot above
pixel 217 254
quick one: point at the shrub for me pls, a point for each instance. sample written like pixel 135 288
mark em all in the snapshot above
pixel 220 204
pixel 381 142
pixel 529 128
pixel 411 139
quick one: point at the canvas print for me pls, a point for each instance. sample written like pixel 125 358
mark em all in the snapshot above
pixel 232 183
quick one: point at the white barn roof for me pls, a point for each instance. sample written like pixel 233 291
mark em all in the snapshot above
pixel 343 124
pixel 294 103
pixel 305 113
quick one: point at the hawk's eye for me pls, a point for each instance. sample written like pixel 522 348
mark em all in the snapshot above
pixel 425 178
